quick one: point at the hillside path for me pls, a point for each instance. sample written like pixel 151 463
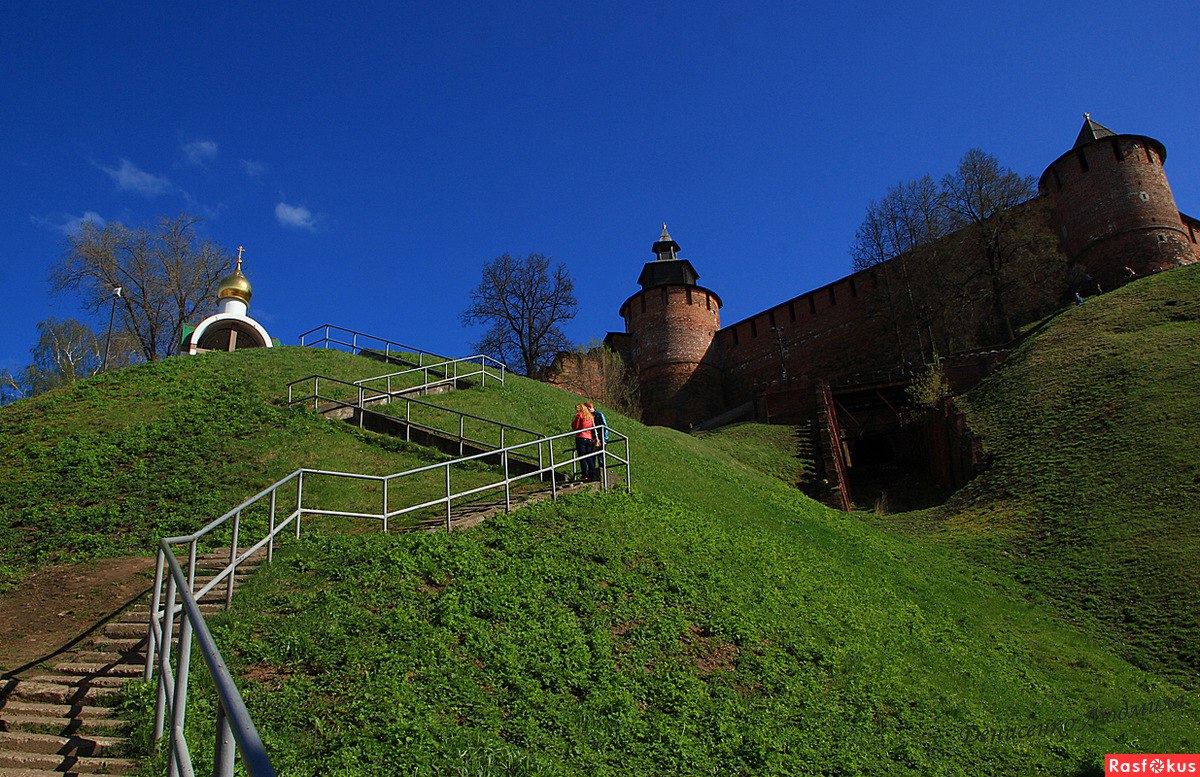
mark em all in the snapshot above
pixel 53 608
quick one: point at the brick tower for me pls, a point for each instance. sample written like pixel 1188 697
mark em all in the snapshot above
pixel 1113 206
pixel 671 324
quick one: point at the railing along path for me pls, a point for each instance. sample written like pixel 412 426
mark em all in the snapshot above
pixel 170 662
pixel 341 338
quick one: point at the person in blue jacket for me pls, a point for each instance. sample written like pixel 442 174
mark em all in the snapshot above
pixel 601 434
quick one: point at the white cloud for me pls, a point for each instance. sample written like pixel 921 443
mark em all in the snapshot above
pixel 130 178
pixel 296 216
pixel 68 224
pixel 200 152
pixel 253 169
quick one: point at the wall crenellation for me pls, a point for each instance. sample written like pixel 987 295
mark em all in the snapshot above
pixel 1106 201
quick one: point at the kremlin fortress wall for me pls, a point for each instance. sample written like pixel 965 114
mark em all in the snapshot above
pixel 1102 207
pixel 838 359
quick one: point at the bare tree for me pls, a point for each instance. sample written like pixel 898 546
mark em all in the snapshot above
pixel 524 303
pixel 984 195
pixel 66 351
pixel 899 236
pixel 167 273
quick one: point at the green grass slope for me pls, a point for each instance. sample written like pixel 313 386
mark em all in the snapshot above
pixel 716 621
pixel 109 465
pixel 1094 497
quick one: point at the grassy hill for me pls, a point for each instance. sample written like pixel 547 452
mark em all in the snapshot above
pixel 1094 498
pixel 716 620
pixel 107 466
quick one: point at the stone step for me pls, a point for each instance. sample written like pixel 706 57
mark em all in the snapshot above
pixel 106 657
pixel 59 693
pixel 78 681
pixel 18 764
pixel 51 744
pixel 118 630
pixel 123 644
pixel 125 669
pixel 19 707
pixel 51 724
pixel 141 612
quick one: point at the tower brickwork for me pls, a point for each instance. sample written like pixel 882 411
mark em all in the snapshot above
pixel 671 326
pixel 1113 206
pixel 1107 199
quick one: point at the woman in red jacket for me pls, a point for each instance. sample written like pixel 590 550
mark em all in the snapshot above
pixel 585 441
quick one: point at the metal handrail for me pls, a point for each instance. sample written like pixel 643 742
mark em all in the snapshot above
pixel 389 346
pixel 233 725
pixel 362 400
pixel 444 366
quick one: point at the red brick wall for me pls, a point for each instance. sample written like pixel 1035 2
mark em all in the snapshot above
pixel 671 332
pixel 1193 229
pixel 830 332
pixel 1115 209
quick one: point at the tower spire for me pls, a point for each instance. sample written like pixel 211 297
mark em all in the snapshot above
pixel 665 247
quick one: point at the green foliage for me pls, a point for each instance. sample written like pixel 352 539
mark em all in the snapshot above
pixel 107 466
pixel 929 388
pixel 1093 498
pixel 715 621
pixel 783 452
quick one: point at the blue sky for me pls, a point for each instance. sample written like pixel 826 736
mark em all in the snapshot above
pixel 372 156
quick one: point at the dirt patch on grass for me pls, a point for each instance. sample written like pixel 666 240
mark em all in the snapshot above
pixel 709 653
pixel 52 608
pixel 270 677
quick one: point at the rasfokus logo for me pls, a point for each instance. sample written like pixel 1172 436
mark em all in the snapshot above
pixel 1161 763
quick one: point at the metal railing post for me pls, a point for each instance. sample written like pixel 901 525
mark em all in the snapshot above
pixel 192 548
pixel 155 601
pixel 462 420
pixel 628 468
pixel 507 483
pixel 271 541
pixel 179 698
pixel 224 748
pixel 316 392
pixel 385 505
pixel 299 501
pixel 447 498
pixel 541 473
pixel 407 420
pixel 553 473
pixel 237 526
pixel 164 659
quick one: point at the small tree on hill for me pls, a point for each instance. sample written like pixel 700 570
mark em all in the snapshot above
pixel 524 303
pixel 167 273
pixel 66 351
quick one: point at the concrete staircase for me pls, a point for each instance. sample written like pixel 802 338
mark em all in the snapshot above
pixel 62 720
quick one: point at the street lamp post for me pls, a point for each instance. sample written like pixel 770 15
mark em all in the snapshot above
pixel 116 294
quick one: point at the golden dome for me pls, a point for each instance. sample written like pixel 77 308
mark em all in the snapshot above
pixel 235 284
